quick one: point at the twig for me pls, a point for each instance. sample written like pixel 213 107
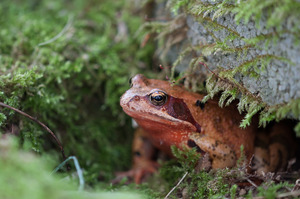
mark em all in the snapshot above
pixel 292 193
pixel 203 64
pixel 62 32
pixel 40 123
pixel 181 78
pixel 251 182
pixel 176 185
pixel 78 169
pixel 282 195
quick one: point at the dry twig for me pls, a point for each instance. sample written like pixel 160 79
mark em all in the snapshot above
pixel 40 123
pixel 283 195
pixel 176 185
pixel 61 33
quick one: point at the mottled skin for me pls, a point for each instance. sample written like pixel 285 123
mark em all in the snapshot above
pixel 182 120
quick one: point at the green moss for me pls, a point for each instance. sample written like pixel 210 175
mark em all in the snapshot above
pixel 214 183
pixel 250 103
pixel 196 184
pixel 25 175
pixel 250 68
pixel 67 64
pixel 270 190
pixel 277 12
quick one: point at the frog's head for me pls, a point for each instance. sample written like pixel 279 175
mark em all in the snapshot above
pixel 157 105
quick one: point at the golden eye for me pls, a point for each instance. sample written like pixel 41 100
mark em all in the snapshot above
pixel 158 98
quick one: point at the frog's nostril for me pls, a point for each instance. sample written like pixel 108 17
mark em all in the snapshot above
pixel 130 82
pixel 136 98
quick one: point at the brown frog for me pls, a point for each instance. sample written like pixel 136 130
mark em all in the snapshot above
pixel 170 115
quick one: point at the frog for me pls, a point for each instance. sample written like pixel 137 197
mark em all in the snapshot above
pixel 170 115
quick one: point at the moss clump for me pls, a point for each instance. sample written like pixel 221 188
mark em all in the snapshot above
pixel 67 64
pixel 187 179
pixel 196 183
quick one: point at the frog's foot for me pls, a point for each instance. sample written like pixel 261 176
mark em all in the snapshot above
pixel 138 173
pixel 273 151
pixel 204 163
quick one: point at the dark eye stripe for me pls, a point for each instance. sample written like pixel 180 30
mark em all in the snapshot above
pixel 177 108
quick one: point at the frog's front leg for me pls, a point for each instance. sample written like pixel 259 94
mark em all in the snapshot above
pixel 143 159
pixel 221 154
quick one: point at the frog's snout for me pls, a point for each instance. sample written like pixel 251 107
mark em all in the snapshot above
pixel 124 99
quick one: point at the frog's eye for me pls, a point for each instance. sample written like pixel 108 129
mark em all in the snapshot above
pixel 158 98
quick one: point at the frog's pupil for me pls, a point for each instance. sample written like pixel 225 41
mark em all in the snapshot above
pixel 158 98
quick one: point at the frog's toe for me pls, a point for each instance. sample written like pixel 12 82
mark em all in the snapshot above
pixel 138 173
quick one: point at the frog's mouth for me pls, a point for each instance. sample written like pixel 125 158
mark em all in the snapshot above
pixel 157 124
pixel 150 116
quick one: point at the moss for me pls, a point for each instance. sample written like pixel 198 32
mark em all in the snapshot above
pixel 250 103
pixel 25 175
pixel 271 190
pixel 196 184
pixel 250 67
pixel 67 63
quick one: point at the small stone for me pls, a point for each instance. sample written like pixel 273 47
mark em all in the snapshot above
pixel 280 87
pixel 242 192
pixel 287 97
